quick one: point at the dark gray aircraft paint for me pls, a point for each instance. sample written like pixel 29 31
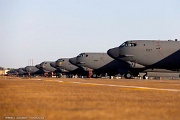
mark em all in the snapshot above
pixel 53 64
pixel 13 72
pixel 101 63
pixel 64 65
pixel 21 71
pixel 32 70
pixel 46 67
pixel 57 66
pixel 149 54
pixel 74 62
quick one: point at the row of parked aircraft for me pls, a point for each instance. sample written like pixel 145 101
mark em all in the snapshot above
pixel 128 60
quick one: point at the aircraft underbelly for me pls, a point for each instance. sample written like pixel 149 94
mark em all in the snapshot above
pixel 171 60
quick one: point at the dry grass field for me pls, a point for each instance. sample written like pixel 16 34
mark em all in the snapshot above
pixel 87 99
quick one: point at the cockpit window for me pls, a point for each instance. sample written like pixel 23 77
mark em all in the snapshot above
pixel 60 60
pixel 81 55
pixel 127 44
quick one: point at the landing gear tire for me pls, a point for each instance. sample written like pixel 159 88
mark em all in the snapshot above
pixel 128 75
pixel 145 76
pixel 94 76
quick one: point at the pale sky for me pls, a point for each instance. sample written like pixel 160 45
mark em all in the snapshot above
pixel 46 30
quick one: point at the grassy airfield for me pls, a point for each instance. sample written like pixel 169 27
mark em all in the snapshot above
pixel 87 99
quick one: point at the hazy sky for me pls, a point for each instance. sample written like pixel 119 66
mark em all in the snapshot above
pixel 45 30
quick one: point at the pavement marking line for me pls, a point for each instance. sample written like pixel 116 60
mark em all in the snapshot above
pixel 34 79
pixel 49 80
pixel 60 81
pixel 38 79
pixel 124 86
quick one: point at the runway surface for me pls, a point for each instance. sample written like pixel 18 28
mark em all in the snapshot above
pixel 63 98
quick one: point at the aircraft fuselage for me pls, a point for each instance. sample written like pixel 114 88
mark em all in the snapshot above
pixel 149 53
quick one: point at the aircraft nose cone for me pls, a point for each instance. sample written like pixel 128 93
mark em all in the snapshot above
pixel 72 60
pixel 26 69
pixel 38 66
pixel 53 64
pixel 42 65
pixel 23 69
pixel 114 52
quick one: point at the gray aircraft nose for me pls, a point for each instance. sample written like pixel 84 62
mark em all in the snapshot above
pixel 24 69
pixel 59 64
pixel 72 60
pixel 42 65
pixel 27 69
pixel 114 52
pixel 21 71
pixel 53 64
pixel 38 66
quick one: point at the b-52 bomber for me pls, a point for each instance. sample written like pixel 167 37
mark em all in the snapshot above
pixel 102 64
pixel 21 72
pixel 46 68
pixel 149 54
pixel 69 69
pixel 32 70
